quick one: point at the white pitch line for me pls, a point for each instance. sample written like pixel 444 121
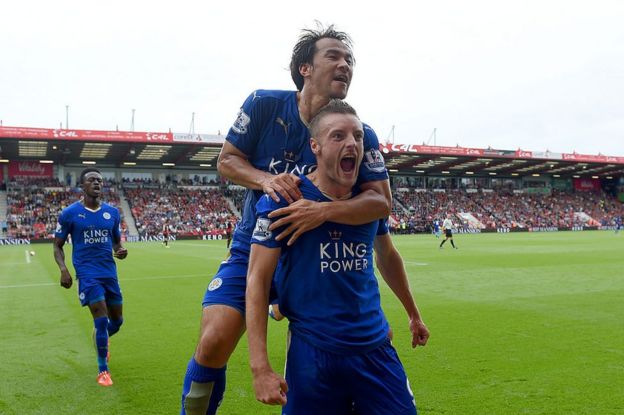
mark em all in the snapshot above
pixel 422 264
pixel 163 277
pixel 27 256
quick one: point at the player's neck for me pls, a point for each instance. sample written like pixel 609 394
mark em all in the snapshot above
pixel 90 202
pixel 329 189
pixel 309 104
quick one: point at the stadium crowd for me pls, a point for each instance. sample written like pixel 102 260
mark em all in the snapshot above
pixel 190 211
pixel 200 207
pixel 504 209
pixel 33 206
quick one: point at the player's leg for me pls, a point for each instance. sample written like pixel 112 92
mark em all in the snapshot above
pixel 114 303
pixel 223 324
pixel 315 382
pixel 379 383
pixel 453 243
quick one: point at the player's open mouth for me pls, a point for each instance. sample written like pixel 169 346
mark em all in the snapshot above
pixel 342 78
pixel 347 164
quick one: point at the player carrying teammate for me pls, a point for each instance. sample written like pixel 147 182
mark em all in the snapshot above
pixel 268 142
pixel 96 239
pixel 339 353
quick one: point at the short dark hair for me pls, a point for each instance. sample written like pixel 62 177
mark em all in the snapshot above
pixel 88 170
pixel 335 106
pixel 304 50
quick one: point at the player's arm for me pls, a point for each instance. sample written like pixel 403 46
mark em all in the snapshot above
pixel 270 387
pixel 119 251
pixel 373 203
pixel 59 257
pixel 392 269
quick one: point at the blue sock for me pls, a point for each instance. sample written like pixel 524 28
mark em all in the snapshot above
pixel 114 325
pixel 203 389
pixel 101 341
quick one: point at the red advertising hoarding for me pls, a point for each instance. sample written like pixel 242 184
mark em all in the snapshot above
pixel 30 169
pixel 85 135
pixel 586 185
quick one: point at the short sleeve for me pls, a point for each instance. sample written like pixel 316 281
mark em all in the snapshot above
pixel 63 226
pixel 245 132
pixel 117 227
pixel 382 228
pixel 373 167
pixel 261 233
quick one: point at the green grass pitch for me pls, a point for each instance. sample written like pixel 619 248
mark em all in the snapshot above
pixel 520 324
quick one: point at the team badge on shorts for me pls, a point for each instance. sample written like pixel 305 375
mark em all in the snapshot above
pixel 81 296
pixel 214 284
pixel 106 215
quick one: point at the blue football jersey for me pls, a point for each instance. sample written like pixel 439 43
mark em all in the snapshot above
pixel 269 131
pixel 92 236
pixel 325 281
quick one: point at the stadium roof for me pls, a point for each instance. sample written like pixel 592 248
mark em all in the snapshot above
pixel 192 151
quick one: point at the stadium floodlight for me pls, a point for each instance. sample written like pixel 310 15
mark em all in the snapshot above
pixel 535 175
pixel 205 165
pixel 515 174
pixel 168 164
pixel 492 173
pixel 46 161
pixel 129 163
pixel 556 175
pixel 576 176
pixel 594 177
pixel 420 171
pixel 4 161
pixel 609 177
pixel 446 172
pixel 393 170
pixel 88 162
pixel 469 172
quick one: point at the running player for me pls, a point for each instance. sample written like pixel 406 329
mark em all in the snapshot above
pixel 339 354
pixel 96 239
pixel 268 142
pixel 447 226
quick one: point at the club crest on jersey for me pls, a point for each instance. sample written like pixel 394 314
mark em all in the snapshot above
pixel 335 235
pixel 106 215
pixel 289 156
pixel 58 227
pixel 374 161
pixel 215 284
pixel 82 296
pixel 241 123
pixel 261 231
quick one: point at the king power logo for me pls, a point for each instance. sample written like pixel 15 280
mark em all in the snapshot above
pixel 95 236
pixel 339 256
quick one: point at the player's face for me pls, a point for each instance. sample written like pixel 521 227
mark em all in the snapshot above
pixel 92 184
pixel 332 69
pixel 339 149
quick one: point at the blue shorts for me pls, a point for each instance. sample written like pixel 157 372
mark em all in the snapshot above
pixel 228 287
pixel 93 290
pixel 320 382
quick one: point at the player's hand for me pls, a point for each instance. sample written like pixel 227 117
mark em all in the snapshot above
pixel 300 217
pixel 420 332
pixel 270 388
pixel 66 279
pixel 121 253
pixel 286 184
